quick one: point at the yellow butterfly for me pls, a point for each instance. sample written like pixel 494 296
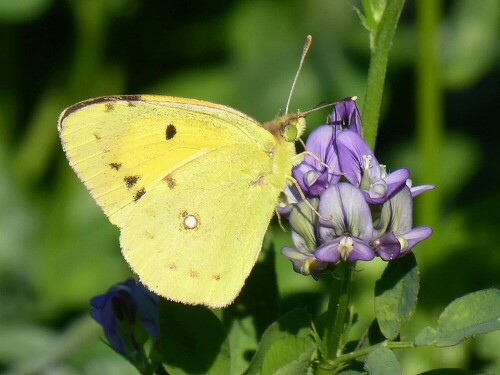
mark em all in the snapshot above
pixel 191 184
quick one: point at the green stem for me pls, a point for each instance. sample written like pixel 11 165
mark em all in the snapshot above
pixel 429 106
pixel 337 309
pixel 362 352
pixel 378 65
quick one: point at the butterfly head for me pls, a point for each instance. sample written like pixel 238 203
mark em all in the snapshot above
pixel 289 127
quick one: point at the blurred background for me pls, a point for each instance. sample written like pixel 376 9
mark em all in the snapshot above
pixel 57 249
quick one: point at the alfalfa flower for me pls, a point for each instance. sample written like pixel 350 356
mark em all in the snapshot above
pixel 128 314
pixel 353 209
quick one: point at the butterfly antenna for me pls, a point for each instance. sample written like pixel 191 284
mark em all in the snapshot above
pixel 353 98
pixel 304 54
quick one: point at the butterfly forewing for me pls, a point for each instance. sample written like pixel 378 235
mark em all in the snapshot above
pixel 122 146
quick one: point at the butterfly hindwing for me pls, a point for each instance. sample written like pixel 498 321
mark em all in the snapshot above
pixel 195 237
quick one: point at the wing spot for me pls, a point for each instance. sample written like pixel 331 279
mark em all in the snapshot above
pixel 138 194
pixel 170 181
pixel 190 221
pixel 259 181
pixel 193 274
pixel 109 106
pixel 149 235
pixel 172 266
pixel 130 181
pixel 170 132
pixel 216 277
pixel 97 136
pixel 115 166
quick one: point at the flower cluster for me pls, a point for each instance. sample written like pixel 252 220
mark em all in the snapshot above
pixel 354 210
pixel 128 314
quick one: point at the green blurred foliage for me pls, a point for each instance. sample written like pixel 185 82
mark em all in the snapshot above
pixel 56 247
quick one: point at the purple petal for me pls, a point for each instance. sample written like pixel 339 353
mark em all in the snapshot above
pixel 345 115
pixel 347 212
pixel 361 251
pixel 397 214
pixel 329 252
pixel 387 247
pixel 313 176
pixel 352 152
pixel 392 183
pixel 304 262
pixel 346 248
pixel 413 237
pixel 417 190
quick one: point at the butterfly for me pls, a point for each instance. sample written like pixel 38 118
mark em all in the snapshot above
pixel 192 185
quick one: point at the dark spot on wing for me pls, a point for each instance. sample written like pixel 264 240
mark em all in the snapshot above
pixel 170 132
pixel 130 181
pixel 193 274
pixel 259 181
pixel 172 266
pixel 115 166
pixel 139 193
pixel 170 181
pixel 97 136
pixel 216 277
pixel 109 106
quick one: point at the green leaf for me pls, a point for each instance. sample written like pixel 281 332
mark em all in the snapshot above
pixel 396 295
pixel 286 346
pixel 192 340
pixel 471 315
pixel 382 361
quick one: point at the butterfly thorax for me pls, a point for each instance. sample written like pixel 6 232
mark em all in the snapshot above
pixel 288 127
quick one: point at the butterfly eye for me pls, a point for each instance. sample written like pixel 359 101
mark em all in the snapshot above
pixel 293 130
pixel 289 132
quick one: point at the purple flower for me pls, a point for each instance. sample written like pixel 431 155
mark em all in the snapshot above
pixel 394 234
pixel 347 227
pixel 128 314
pixel 316 173
pixel 340 153
pixel 342 171
pixel 303 221
pixel 345 116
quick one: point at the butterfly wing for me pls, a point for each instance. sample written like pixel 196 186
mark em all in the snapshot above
pixel 191 184
pixel 122 146
pixel 196 237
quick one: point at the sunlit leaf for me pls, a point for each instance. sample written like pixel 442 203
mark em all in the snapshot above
pixel 471 315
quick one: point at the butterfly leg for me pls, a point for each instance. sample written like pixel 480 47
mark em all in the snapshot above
pixel 293 181
pixel 279 220
pixel 297 159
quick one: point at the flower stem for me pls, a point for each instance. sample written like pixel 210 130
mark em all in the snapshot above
pixel 337 309
pixel 382 40
pixel 359 353
pixel 429 106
